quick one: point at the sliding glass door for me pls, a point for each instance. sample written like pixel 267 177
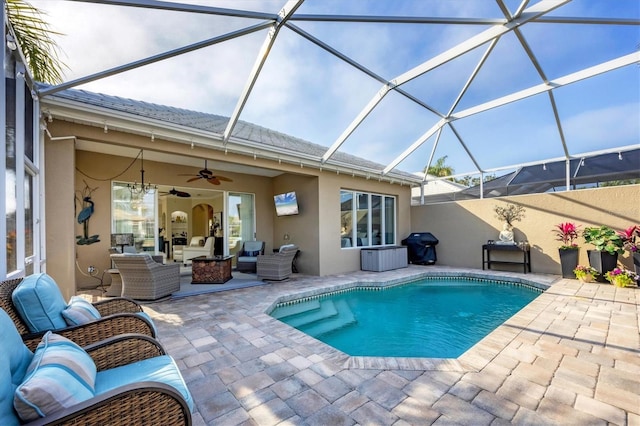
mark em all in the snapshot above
pixel 241 220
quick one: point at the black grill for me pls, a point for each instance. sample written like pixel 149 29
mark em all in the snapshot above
pixel 421 248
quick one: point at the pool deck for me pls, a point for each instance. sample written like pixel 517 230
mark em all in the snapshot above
pixel 572 356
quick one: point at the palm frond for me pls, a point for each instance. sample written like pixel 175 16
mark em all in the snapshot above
pixel 34 37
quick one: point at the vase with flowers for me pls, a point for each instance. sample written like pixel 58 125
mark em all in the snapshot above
pixel 621 277
pixel 585 273
pixel 566 233
pixel 631 243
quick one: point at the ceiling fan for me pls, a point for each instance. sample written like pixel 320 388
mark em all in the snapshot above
pixel 207 175
pixel 177 193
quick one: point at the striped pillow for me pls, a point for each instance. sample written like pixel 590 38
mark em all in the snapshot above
pixel 80 311
pixel 60 375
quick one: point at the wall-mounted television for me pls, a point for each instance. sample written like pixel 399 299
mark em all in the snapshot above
pixel 286 204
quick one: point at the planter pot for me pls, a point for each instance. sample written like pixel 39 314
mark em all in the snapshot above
pixel 619 283
pixel 568 262
pixel 602 262
pixel 636 263
pixel 586 279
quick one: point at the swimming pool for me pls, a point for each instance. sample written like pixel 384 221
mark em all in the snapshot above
pixel 430 318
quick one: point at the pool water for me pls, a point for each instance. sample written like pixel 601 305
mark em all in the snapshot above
pixel 431 318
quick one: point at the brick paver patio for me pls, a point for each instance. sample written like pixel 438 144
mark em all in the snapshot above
pixel 570 357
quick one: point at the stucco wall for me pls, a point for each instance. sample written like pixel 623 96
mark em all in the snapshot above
pixel 301 229
pixel 59 214
pixel 462 227
pixel 333 258
pixel 315 229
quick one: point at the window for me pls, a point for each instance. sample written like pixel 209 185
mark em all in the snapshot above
pixel 11 164
pixel 366 220
pixel 19 155
pixel 135 215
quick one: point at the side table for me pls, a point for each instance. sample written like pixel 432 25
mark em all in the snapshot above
pixel 525 249
pixel 115 289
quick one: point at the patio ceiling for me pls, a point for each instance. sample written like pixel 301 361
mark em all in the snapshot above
pixel 494 85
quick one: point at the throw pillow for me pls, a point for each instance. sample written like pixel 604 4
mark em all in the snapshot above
pixel 61 374
pixel 80 311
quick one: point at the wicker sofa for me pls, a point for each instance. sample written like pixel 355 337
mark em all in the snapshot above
pixel 145 279
pixel 117 316
pixel 277 266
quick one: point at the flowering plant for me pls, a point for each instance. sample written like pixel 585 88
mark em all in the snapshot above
pixel 567 232
pixel 582 271
pixel 621 277
pixel 631 238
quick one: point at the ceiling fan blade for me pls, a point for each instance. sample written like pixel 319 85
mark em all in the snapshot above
pixel 213 180
pixel 226 179
pixel 183 194
pixel 194 178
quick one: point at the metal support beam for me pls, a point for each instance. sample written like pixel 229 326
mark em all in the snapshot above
pixel 183 7
pixel 285 13
pixel 489 34
pixel 153 59
pixel 604 67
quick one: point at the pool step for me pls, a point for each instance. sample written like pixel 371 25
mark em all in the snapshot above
pixel 296 308
pixel 326 310
pixel 343 318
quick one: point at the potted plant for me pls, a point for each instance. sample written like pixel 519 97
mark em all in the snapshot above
pixel 631 243
pixel 608 244
pixel 508 214
pixel 621 277
pixel 567 232
pixel 585 273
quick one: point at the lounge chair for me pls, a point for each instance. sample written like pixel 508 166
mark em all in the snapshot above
pixel 145 279
pixel 248 256
pixel 116 316
pixel 277 266
pixel 126 380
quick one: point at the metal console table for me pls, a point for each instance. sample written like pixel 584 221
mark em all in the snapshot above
pixel 524 248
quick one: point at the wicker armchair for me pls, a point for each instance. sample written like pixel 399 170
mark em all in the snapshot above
pixel 248 256
pixel 119 316
pixel 155 395
pixel 145 279
pixel 277 266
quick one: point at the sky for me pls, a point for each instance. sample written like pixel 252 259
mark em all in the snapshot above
pixel 308 93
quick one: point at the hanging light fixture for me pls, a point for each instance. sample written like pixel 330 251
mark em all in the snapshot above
pixel 139 190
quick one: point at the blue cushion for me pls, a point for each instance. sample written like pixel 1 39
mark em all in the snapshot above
pixel 60 375
pixel 14 360
pixel 161 369
pixel 80 311
pixel 250 253
pixel 39 302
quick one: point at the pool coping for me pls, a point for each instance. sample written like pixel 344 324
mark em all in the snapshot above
pixel 474 359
